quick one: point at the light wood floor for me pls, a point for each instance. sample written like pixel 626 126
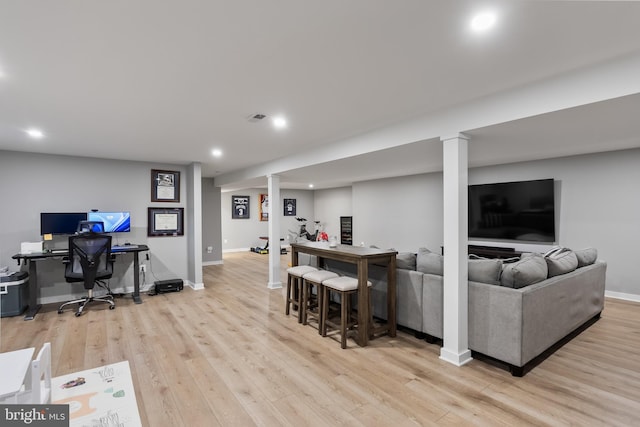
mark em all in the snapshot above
pixel 228 356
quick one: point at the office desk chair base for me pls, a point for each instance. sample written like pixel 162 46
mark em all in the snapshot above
pixel 82 302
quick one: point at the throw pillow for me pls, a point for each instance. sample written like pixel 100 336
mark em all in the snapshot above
pixel 561 263
pixel 531 269
pixel 485 270
pixel 586 256
pixel 406 261
pixel 429 262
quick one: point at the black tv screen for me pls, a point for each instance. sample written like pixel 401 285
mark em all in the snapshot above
pixel 522 211
pixel 60 222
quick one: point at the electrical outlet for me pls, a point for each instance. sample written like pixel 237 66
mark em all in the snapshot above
pixel 143 268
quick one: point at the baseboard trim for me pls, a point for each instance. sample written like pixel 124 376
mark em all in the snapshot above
pixel 205 263
pixel 622 295
pixel 274 285
pixel 224 251
pixel 458 359
pixel 195 286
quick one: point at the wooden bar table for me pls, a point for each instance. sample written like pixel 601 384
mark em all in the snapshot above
pixel 361 257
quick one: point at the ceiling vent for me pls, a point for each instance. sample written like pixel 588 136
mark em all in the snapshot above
pixel 255 118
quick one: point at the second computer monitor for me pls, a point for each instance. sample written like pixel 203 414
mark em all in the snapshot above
pixel 114 222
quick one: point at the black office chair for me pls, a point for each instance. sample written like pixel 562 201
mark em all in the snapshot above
pixel 90 261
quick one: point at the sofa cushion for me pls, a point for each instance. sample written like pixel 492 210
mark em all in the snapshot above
pixel 586 256
pixel 429 262
pixel 561 262
pixel 485 270
pixel 406 260
pixel 532 268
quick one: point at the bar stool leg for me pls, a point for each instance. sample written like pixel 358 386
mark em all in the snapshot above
pixel 288 294
pixel 325 310
pixel 299 294
pixel 304 302
pixel 345 317
pixel 320 294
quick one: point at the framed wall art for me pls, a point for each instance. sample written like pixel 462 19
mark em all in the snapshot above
pixel 289 207
pixel 264 207
pixel 165 222
pixel 240 207
pixel 165 186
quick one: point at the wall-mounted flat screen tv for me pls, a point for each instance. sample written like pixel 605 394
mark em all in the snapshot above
pixel 521 211
pixel 114 222
pixel 60 222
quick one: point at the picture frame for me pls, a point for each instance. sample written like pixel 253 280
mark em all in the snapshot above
pixel 165 186
pixel 165 222
pixel 289 207
pixel 240 207
pixel 263 207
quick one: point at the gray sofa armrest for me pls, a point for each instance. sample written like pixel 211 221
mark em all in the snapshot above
pixel 495 321
pixel 432 300
pixel 409 291
pixel 408 296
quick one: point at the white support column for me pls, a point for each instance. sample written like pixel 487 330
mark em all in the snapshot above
pixel 273 187
pixel 455 348
pixel 194 225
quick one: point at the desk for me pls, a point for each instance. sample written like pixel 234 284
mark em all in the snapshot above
pixel 362 257
pixel 34 290
pixel 13 369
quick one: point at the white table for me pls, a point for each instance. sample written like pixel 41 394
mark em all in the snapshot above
pixel 14 366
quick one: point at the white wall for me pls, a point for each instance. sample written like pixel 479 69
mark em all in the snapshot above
pixel 211 222
pixel 403 213
pixel 597 205
pixel 330 205
pixel 34 183
pixel 241 234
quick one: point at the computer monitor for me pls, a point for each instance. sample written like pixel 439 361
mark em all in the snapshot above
pixel 114 222
pixel 60 222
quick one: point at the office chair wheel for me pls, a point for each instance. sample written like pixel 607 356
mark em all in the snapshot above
pixel 78 313
pixel 59 311
pixel 112 307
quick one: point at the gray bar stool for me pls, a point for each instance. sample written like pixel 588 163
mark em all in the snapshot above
pixel 345 287
pixel 294 287
pixel 315 278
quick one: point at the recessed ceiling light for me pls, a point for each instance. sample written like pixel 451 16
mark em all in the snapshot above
pixel 35 133
pixel 310 185
pixel 279 122
pixel 483 21
pixel 216 152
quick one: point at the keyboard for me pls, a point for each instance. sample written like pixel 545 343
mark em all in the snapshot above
pixel 120 248
pixel 59 251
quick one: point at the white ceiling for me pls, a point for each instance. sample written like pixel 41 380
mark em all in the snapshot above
pixel 168 81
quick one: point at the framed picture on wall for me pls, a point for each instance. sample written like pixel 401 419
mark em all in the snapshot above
pixel 289 207
pixel 264 207
pixel 165 186
pixel 165 222
pixel 240 207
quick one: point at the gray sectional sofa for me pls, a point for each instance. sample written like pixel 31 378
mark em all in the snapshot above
pixel 518 308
